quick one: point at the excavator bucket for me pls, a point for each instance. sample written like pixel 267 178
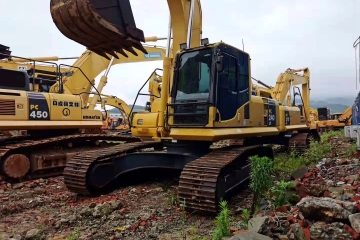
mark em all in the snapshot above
pixel 103 26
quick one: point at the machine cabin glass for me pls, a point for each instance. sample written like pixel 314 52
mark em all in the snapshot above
pixel 199 83
pixel 232 82
pixel 192 88
pixel 194 75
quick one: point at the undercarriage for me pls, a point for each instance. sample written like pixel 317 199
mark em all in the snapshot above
pixel 29 157
pixel 207 175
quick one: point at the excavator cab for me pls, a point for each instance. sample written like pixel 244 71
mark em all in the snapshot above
pixel 102 26
pixel 19 80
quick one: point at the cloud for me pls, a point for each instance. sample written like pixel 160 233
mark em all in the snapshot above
pixel 278 34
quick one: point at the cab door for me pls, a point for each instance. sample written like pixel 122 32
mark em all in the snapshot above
pixel 232 83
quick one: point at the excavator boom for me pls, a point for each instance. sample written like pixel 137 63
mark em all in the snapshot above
pixel 104 27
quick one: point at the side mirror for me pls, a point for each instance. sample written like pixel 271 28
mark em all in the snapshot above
pixel 219 63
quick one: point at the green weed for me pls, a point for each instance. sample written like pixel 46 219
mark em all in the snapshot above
pixel 278 193
pixel 75 236
pixel 260 178
pixel 310 157
pixel 245 214
pixel 222 222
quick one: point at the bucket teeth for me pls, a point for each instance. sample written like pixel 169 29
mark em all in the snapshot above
pixel 104 27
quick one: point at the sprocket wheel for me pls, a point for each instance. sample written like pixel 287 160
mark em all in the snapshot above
pixel 16 165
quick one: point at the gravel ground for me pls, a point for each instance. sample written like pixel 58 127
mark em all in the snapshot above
pixel 44 209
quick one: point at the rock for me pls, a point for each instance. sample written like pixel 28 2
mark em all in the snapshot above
pixel 281 237
pixel 345 197
pixel 343 162
pixel 33 234
pixel 298 231
pixel 61 222
pixel 72 218
pixel 301 190
pixel 249 235
pixel 101 210
pixel 17 185
pixel 259 224
pixel 316 190
pixel 355 221
pixel 340 183
pixel 300 172
pixel 352 232
pixel 292 197
pixel 98 236
pixel 321 230
pixel 325 209
pixel 115 205
pixel 86 212
pixel 16 237
pixel 336 189
pixel 335 195
pixel 283 209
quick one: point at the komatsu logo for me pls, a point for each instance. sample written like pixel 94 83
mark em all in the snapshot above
pixel 153 55
pixel 91 117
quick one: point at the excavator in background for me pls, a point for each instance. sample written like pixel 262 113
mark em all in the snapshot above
pixel 47 72
pixel 265 91
pixel 51 103
pixel 292 78
pixel 329 121
pixel 206 96
pixel 281 91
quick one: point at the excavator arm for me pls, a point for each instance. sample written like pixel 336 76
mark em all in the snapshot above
pixel 114 102
pixel 90 65
pixel 346 115
pixel 289 78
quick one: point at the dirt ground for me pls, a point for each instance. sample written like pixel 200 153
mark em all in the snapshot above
pixel 44 209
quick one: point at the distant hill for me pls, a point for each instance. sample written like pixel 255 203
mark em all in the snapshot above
pixel 336 104
pixel 335 107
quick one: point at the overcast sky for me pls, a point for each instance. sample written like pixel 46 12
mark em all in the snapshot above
pixel 278 34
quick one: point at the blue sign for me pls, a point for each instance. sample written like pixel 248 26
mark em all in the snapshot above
pixel 153 55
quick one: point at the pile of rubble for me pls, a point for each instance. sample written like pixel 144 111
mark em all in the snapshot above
pixel 328 206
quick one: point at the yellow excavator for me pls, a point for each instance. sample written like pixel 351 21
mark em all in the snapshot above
pixel 52 103
pixel 335 121
pixel 206 96
pixel 281 91
pixel 47 71
pixel 292 78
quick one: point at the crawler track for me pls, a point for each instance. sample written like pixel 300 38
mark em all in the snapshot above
pixel 299 142
pixel 23 147
pixel 202 185
pixel 202 182
pixel 76 171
